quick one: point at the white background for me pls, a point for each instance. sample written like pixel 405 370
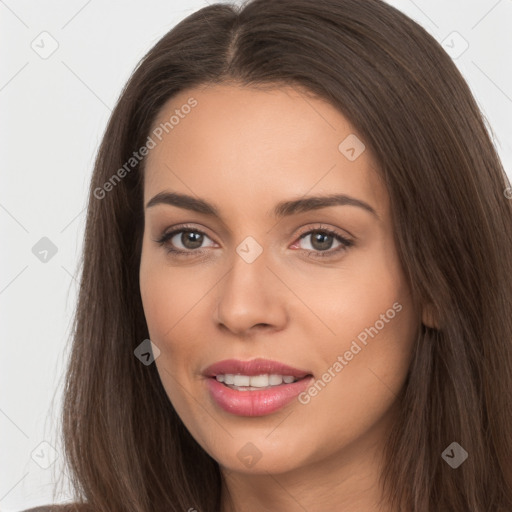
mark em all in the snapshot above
pixel 53 113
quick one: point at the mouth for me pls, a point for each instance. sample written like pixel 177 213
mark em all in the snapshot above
pixel 254 388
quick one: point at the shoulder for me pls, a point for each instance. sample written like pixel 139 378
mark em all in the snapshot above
pixel 46 508
pixel 67 507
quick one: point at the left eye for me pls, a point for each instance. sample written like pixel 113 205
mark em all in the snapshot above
pixel 322 240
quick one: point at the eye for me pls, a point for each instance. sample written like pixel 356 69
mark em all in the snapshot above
pixel 188 241
pixel 321 241
pixel 183 241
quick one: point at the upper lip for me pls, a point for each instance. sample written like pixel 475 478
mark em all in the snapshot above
pixel 253 367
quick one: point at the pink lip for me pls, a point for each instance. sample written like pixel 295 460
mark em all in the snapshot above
pixel 256 402
pixel 253 367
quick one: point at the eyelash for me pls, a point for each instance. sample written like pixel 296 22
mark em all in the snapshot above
pixel 345 243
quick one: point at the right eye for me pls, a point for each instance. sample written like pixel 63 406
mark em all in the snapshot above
pixel 191 240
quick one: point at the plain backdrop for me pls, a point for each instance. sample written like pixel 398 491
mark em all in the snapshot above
pixel 63 65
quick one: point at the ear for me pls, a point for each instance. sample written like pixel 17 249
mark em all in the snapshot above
pixel 430 317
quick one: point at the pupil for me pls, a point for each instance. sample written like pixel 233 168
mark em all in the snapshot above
pixel 191 240
pixel 324 240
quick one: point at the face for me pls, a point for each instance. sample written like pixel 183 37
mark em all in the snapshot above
pixel 267 281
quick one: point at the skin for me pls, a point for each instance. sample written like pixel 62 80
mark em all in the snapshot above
pixel 244 150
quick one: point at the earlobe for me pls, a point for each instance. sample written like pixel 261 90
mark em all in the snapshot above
pixel 430 317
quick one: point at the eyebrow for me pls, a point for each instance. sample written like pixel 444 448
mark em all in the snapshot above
pixel 282 209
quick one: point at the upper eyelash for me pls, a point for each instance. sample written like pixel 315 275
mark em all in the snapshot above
pixel 346 243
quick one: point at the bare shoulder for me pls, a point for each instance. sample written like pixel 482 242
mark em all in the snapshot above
pixel 67 507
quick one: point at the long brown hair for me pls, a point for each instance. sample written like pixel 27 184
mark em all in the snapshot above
pixel 126 447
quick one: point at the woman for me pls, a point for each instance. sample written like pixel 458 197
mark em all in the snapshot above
pixel 297 275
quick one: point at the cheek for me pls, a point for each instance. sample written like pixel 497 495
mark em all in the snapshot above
pixel 363 371
pixel 168 294
pixel 369 284
pixel 156 294
pixel 165 302
pixel 374 323
pixel 173 299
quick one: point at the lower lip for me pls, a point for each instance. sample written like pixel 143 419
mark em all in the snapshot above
pixel 255 403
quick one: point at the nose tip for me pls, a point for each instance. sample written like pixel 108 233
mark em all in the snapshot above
pixel 250 299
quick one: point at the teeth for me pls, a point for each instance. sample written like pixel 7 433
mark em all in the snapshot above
pixel 255 381
pixel 242 380
pixel 275 380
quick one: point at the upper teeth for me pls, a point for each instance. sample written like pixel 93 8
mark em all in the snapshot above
pixel 257 381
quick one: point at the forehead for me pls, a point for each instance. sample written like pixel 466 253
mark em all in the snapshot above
pixel 257 147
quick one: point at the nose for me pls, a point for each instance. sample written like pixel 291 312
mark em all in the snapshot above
pixel 251 298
